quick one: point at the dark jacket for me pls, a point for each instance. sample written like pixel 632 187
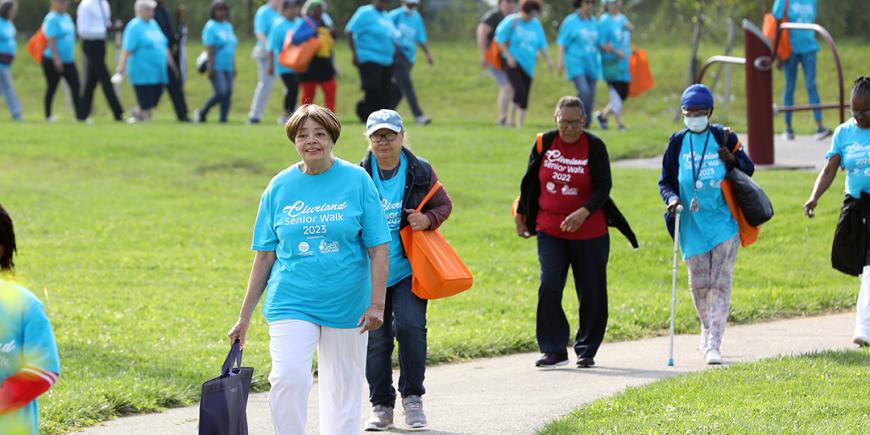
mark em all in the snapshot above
pixel 419 178
pixel 849 249
pixel 164 20
pixel 599 171
pixel 668 183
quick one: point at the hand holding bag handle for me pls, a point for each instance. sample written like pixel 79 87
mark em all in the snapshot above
pixel 233 360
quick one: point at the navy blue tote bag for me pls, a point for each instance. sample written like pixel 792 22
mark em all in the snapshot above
pixel 222 408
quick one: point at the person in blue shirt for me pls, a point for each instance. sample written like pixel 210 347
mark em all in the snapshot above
pixel 29 365
pixel 58 59
pixel 8 10
pixel 614 40
pixel 373 39
pixel 850 151
pixel 485 42
pixel 286 23
pixel 578 51
pixel 804 49
pixel 263 20
pixel 402 180
pixel 219 39
pixel 145 53
pixel 521 37
pixel 693 168
pixel 413 32
pixel 322 248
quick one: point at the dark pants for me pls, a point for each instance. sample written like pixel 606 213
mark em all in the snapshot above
pixel 522 84
pixel 222 84
pixel 52 78
pixel 95 72
pixel 176 94
pixel 379 90
pixel 404 320
pixel 291 91
pixel 402 73
pixel 588 261
pixel 148 95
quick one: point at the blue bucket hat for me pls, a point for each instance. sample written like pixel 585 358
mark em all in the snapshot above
pixel 384 118
pixel 697 96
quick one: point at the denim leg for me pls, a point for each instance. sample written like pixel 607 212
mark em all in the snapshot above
pixel 379 359
pixel 590 108
pixel 808 62
pixel 8 91
pixel 227 97
pixel 586 94
pixel 589 264
pixel 789 68
pixel 218 86
pixel 552 325
pixel 409 314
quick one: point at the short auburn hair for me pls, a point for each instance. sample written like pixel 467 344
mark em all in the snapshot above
pixel 318 114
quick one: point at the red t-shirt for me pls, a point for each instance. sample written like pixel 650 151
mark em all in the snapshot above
pixel 566 185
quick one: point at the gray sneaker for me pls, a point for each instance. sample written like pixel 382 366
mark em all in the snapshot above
pixel 415 419
pixel 381 419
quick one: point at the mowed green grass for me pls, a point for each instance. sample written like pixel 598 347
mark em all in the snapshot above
pixel 137 237
pixel 815 393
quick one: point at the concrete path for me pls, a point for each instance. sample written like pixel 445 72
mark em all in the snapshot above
pixel 507 395
pixel 802 153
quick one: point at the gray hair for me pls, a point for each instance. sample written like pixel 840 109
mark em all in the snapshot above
pixel 570 102
pixel 141 5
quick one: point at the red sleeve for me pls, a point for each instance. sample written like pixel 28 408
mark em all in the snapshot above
pixel 23 387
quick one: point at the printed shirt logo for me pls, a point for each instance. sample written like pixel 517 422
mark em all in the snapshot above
pixel 304 249
pixel 393 212
pixel 7 347
pixel 328 247
pixel 5 358
pixel 299 213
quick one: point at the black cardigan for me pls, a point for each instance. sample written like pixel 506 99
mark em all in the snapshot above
pixel 599 171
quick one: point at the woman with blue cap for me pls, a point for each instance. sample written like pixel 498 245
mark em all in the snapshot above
pixel 693 168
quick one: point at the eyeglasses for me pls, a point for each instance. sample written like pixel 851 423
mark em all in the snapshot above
pixel 575 123
pixel 861 113
pixel 389 137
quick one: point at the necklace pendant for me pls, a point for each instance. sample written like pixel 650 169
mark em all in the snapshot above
pixel 699 185
pixel 694 207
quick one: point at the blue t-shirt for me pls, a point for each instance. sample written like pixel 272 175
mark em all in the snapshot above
pixel 320 227
pixel 26 344
pixel 524 39
pixel 327 20
pixel 147 64
pixel 374 36
pixel 392 194
pixel 611 29
pixel 63 30
pixel 799 11
pixel 221 35
pixel 7 39
pixel 277 35
pixel 410 25
pixel 580 38
pixel 712 224
pixel 852 144
pixel 263 20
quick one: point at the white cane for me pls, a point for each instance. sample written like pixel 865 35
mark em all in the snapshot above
pixel 678 210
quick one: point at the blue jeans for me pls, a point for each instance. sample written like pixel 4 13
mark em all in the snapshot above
pixel 8 92
pixel 586 92
pixel 790 67
pixel 223 94
pixel 404 320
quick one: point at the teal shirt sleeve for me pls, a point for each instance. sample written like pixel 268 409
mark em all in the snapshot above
pixel 130 41
pixel 375 230
pixel 265 238
pixel 542 37
pixel 836 148
pixel 564 32
pixel 422 38
pixel 51 26
pixel 263 20
pixel 355 23
pixel 38 346
pixel 778 9
pixel 209 33
pixel 504 29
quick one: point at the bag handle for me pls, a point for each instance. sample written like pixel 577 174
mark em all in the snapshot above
pixel 428 196
pixel 539 143
pixel 234 358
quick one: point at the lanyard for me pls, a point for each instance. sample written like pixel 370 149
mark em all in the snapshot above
pixel 697 174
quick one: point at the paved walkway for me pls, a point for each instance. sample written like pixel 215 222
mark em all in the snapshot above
pixel 507 395
pixel 802 153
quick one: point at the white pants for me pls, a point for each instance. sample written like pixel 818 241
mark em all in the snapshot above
pixel 615 101
pixel 862 318
pixel 264 89
pixel 341 360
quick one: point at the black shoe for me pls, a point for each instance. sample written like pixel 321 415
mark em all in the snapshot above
pixel 548 360
pixel 584 362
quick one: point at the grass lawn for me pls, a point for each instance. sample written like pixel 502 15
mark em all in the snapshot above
pixel 137 237
pixel 814 393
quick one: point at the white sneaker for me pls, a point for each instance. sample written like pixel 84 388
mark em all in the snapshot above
pixel 713 357
pixel 197 116
pixel 705 337
pixel 423 120
pixel 51 119
pixel 381 419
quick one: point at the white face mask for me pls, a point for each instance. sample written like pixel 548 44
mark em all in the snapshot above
pixel 696 123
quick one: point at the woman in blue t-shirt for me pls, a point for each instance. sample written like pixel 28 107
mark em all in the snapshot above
pixel 578 51
pixel 8 10
pixel 58 59
pixel 850 151
pixel 402 180
pixel 322 248
pixel 614 40
pixel 693 169
pixel 220 41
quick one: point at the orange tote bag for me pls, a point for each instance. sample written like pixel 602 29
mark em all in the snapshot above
pixel 36 46
pixel 436 269
pixel 641 75
pixel 298 57
pixel 493 55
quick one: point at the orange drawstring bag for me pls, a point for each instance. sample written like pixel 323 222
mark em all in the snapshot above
pixel 36 45
pixel 641 75
pixel 437 270
pixel 298 57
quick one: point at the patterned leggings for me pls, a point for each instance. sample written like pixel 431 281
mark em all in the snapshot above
pixel 710 276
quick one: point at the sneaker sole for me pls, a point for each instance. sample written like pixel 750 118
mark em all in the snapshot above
pixel 552 366
pixel 371 428
pixel 417 428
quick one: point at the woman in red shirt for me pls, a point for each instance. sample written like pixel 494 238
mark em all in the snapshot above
pixel 565 200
